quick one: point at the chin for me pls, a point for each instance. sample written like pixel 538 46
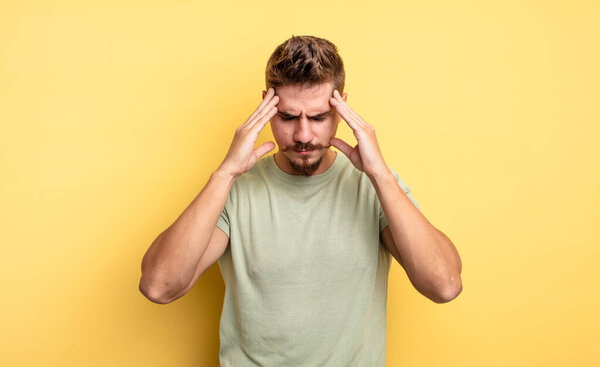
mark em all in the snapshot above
pixel 306 166
pixel 307 159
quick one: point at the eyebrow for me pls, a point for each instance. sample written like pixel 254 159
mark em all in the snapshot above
pixel 318 115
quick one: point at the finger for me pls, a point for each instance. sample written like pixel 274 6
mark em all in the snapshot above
pixel 260 124
pixel 260 113
pixel 346 106
pixel 350 120
pixel 270 94
pixel 350 114
pixel 263 149
pixel 342 146
pixel 266 110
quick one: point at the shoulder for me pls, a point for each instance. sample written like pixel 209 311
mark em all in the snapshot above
pixel 350 174
pixel 400 181
pixel 254 176
pixel 353 182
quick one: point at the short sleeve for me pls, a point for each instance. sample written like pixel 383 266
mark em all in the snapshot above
pixel 383 222
pixel 223 221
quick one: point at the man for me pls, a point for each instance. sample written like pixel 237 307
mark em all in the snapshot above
pixel 303 237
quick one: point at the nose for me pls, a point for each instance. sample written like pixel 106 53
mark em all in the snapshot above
pixel 302 133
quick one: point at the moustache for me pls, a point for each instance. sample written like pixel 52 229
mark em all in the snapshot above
pixel 307 146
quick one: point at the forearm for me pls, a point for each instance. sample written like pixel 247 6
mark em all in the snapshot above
pixel 170 263
pixel 430 259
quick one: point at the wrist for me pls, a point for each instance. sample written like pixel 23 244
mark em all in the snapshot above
pixel 225 173
pixel 382 175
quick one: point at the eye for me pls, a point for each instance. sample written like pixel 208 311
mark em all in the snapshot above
pixel 293 118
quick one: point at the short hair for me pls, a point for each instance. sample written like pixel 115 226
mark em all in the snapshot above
pixel 305 61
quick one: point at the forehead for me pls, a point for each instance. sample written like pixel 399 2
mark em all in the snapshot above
pixel 297 99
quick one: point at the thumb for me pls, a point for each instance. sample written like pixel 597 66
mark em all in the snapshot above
pixel 342 146
pixel 264 148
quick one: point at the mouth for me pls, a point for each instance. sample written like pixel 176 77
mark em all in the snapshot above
pixel 304 152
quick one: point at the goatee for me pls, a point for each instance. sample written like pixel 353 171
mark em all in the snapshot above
pixel 306 169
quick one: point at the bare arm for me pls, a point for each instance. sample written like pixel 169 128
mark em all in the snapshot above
pixel 428 256
pixel 216 248
pixel 171 264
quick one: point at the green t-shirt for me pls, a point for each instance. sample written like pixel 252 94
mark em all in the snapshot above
pixel 305 272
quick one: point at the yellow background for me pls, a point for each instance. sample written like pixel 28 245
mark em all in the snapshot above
pixel 114 114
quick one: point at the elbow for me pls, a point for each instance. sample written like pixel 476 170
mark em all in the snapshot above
pixel 450 293
pixel 153 293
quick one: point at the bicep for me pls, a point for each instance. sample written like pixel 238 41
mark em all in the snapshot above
pixel 388 242
pixel 215 249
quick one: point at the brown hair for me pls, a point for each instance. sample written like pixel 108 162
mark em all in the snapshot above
pixel 305 61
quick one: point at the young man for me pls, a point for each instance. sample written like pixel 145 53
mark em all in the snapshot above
pixel 304 237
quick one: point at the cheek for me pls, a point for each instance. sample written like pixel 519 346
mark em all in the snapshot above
pixel 280 132
pixel 328 130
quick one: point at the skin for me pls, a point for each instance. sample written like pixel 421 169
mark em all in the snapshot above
pixel 185 250
pixel 427 255
pixel 305 120
pixel 429 258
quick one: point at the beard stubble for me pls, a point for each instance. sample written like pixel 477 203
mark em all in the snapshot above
pixel 305 168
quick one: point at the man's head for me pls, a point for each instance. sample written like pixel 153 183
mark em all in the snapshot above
pixel 304 71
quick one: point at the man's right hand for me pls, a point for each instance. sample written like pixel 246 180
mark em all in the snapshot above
pixel 242 156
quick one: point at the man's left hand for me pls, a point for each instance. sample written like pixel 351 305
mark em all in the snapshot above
pixel 366 155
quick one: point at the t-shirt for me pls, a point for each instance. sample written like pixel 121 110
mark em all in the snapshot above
pixel 305 273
